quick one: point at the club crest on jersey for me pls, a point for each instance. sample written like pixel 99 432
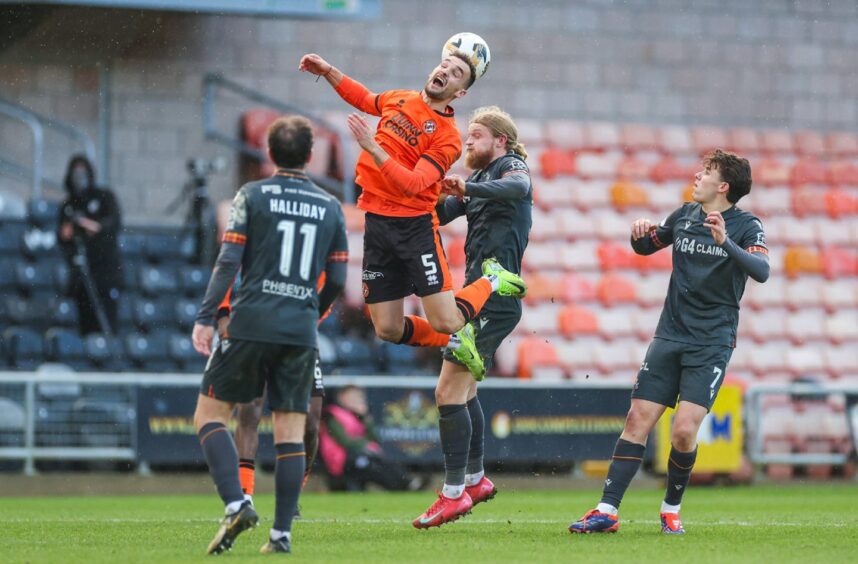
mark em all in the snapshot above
pixel 429 126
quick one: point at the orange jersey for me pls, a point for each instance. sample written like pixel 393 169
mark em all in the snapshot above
pixel 410 132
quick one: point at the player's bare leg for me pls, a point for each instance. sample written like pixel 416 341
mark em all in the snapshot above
pixel 628 455
pixel 210 419
pixel 683 453
pixel 248 416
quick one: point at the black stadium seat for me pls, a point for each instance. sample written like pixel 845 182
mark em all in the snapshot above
pixel 153 314
pixel 44 214
pixel 131 245
pixel 25 347
pixel 186 312
pixel 164 247
pixel 63 311
pixel 11 234
pixel 158 280
pixel 7 274
pixel 105 353
pixel 34 276
pixel 183 353
pixel 66 346
pixel 194 279
pixel 149 352
pixel 20 311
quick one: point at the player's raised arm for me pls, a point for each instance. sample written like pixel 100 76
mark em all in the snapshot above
pixel 752 257
pixel 349 89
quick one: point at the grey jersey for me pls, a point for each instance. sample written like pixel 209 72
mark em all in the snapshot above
pixel 290 229
pixel 706 285
pixel 498 206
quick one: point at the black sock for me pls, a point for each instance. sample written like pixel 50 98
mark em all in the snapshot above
pixel 478 426
pixel 624 465
pixel 222 458
pixel 455 429
pixel 288 475
pixel 679 467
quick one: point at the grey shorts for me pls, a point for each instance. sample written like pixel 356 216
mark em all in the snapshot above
pixel 674 370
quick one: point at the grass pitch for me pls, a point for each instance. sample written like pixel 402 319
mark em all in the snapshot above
pixel 772 524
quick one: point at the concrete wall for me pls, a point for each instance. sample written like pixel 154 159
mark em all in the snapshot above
pixel 764 63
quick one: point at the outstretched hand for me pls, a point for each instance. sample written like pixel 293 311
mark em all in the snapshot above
pixel 315 64
pixel 640 228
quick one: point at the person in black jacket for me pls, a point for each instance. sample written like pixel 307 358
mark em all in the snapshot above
pixel 89 224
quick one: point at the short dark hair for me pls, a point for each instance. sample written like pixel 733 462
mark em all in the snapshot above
pixel 290 140
pixel 734 170
pixel 463 57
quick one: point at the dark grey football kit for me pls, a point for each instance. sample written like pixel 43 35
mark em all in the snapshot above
pixel 696 333
pixel 290 231
pixel 498 205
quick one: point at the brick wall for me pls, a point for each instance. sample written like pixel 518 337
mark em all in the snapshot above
pixel 767 63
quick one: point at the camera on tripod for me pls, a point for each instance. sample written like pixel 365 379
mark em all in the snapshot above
pixel 200 167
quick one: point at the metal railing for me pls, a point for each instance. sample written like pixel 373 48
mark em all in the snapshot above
pixel 214 82
pixel 37 123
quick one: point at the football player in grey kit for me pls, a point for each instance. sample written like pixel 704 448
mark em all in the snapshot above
pixel 497 200
pixel 716 247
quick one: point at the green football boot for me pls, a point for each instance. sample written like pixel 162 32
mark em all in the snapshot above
pixel 509 284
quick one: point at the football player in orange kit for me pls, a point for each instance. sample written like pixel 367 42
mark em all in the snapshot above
pixel 400 172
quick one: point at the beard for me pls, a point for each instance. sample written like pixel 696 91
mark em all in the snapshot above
pixel 475 160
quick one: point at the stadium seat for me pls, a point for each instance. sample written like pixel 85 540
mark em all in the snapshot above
pixel 668 168
pixel 530 131
pixel 12 206
pixel 807 170
pixel 601 136
pixel 153 314
pixel 664 197
pixel 651 290
pixel 597 165
pixel 579 256
pixel 149 353
pixel 355 218
pixel 552 194
pixel 614 289
pixel 840 203
pixel 808 201
pixel 770 171
pixel 574 320
pixel 841 360
pixel 805 292
pixel 43 214
pixel 707 138
pixel 674 140
pixel 809 143
pixel 182 351
pixel 805 360
pixel 769 201
pixel 837 262
pixel 543 288
pixel 625 195
pixel 186 313
pixel 106 353
pixel 769 357
pixel 842 327
pixel 612 226
pixel 25 347
pixel 614 256
pixel 355 357
pixel 158 280
pixel 615 323
pixel 614 357
pixel 744 140
pixel 539 320
pixel 34 277
pixel 576 358
pixel 842 144
pixel 573 225
pixel 165 247
pixel 840 294
pixel 801 260
pixel 568 135
pixel 66 347
pixel 765 325
pixel 644 321
pixel 541 257
pixel 842 172
pixel 554 162
pixel 634 168
pixel 590 194
pixel 454 247
pixel 194 279
pixel 131 245
pixel 661 260
pixel 63 311
pixel 638 137
pixel 805 326
pixel 777 141
pixel 534 351
pixel 577 288
pixel 11 236
pixel 21 311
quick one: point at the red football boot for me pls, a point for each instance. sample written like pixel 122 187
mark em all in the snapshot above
pixel 483 490
pixel 671 525
pixel 444 510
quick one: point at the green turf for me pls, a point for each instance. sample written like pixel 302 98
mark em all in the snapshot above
pixel 772 524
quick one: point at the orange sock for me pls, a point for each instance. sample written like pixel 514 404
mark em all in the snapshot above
pixel 246 474
pixel 473 297
pixel 419 333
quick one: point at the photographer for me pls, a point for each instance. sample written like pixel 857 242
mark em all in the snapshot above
pixel 88 228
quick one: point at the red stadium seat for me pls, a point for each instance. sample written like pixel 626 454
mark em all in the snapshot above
pixel 534 351
pixel 744 140
pixel 837 262
pixel 777 141
pixel 543 288
pixel 810 143
pixel 808 201
pixel 668 168
pixel 707 138
pixel 662 260
pixel 807 170
pixel 839 203
pixel 455 250
pixel 614 289
pixel 842 173
pixel 614 256
pixel 555 162
pixel 575 320
pixel 637 137
pixel 842 144
pixel 771 172
pixel 626 195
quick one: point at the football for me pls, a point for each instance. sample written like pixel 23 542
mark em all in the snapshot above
pixel 472 46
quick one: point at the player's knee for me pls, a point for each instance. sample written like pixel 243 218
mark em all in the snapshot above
pixel 684 435
pixel 447 324
pixel 389 333
pixel 637 425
